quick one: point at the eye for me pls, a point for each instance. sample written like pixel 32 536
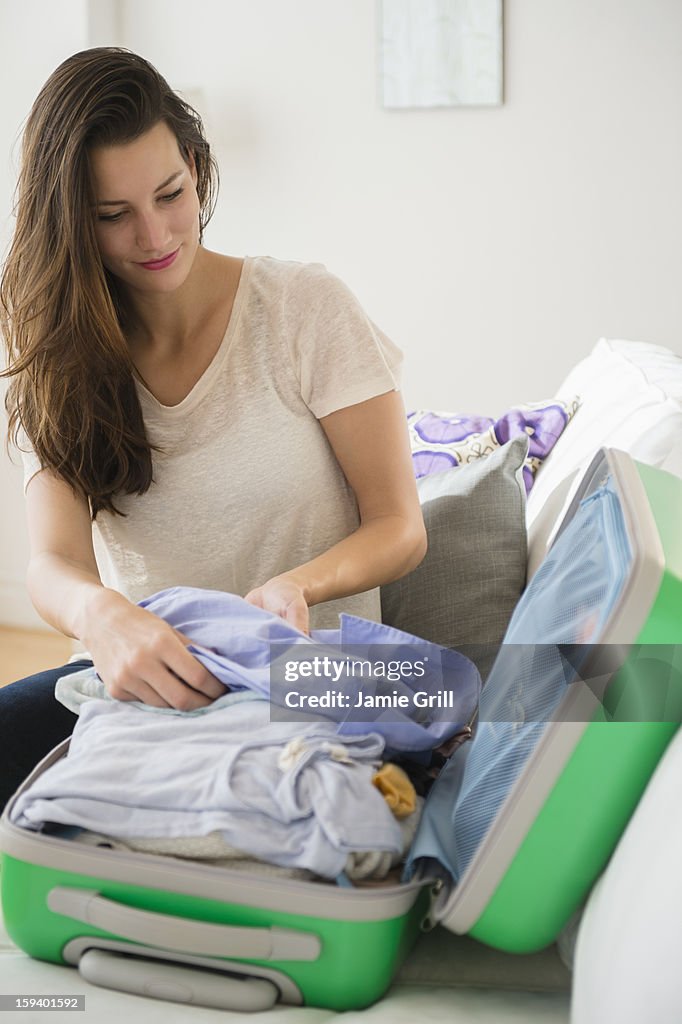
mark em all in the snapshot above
pixel 172 195
pixel 110 218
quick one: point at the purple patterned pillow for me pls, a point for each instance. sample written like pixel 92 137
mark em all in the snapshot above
pixel 441 440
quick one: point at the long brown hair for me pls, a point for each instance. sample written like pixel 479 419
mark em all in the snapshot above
pixel 63 315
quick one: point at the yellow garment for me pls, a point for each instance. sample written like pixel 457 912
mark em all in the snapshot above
pixel 396 789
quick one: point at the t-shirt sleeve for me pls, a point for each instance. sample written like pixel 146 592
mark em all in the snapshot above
pixel 340 357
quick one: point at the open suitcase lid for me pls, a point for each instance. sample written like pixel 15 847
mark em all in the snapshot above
pixel 534 748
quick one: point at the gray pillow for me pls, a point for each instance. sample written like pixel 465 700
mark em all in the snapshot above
pixel 464 592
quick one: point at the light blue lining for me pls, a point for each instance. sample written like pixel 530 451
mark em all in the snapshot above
pixel 568 602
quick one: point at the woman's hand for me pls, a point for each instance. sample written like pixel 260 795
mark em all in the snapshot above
pixel 283 597
pixel 138 656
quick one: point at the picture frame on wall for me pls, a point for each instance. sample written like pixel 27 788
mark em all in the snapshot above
pixel 441 53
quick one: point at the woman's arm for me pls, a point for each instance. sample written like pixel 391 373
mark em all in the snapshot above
pixel 137 655
pixel 371 444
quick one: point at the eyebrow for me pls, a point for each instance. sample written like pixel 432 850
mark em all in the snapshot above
pixel 121 202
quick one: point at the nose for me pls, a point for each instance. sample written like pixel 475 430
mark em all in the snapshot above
pixel 153 233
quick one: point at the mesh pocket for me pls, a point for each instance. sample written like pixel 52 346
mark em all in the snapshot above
pixel 568 602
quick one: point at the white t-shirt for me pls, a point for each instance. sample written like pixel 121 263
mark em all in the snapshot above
pixel 247 485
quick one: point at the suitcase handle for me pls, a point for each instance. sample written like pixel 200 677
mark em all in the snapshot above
pixel 180 933
pixel 176 983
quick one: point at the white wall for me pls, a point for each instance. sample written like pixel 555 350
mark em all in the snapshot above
pixel 494 245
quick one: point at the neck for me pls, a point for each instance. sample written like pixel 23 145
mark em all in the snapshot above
pixel 170 319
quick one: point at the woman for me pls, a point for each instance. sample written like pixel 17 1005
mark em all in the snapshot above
pixel 185 417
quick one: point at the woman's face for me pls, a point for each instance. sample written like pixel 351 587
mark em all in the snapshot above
pixel 147 212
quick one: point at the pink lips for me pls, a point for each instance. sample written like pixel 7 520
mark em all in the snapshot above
pixel 161 264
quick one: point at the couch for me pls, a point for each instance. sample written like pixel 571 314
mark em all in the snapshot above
pixel 623 947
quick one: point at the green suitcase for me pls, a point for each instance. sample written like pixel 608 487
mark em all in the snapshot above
pixel 581 702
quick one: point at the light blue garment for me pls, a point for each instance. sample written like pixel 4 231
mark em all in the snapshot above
pixel 79 688
pixel 130 774
pixel 237 642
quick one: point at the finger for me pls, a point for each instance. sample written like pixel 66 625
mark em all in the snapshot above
pixel 206 683
pixel 174 691
pixel 143 692
pixel 195 675
pixel 298 615
pixel 188 668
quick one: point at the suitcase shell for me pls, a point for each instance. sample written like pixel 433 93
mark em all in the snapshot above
pixel 245 942
pixel 258 940
pixel 587 763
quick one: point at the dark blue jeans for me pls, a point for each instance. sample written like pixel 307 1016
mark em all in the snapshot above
pixel 32 722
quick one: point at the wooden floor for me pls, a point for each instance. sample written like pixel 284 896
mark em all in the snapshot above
pixel 25 651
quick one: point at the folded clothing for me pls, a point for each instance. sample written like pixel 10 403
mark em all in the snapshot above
pixel 210 850
pixel 214 851
pixel 132 774
pixel 298 794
